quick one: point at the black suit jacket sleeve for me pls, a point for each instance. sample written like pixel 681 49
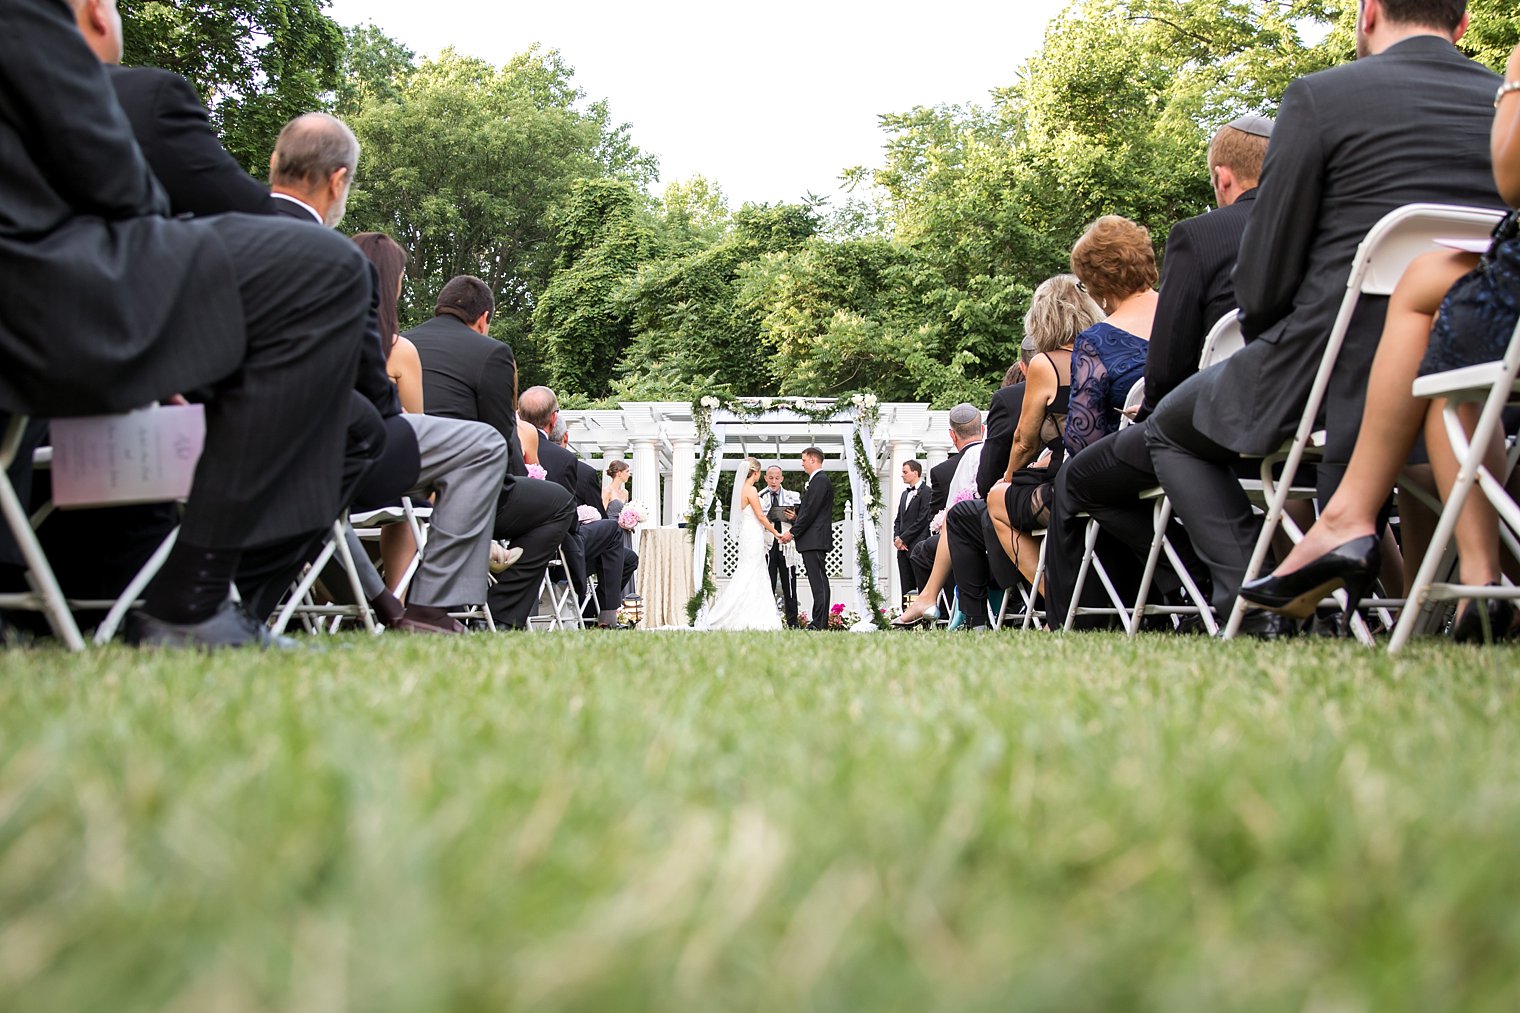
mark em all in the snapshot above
pixel 53 88
pixel 1002 421
pixel 588 487
pixel 941 474
pixel 495 396
pixel 816 507
pixel 1274 252
pixel 1179 328
pixel 176 137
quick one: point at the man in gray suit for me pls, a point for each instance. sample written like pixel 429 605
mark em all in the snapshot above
pixel 1407 122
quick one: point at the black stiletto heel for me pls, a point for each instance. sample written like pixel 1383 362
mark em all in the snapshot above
pixel 1353 566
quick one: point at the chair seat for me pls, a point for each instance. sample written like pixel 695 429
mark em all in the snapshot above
pixel 1470 383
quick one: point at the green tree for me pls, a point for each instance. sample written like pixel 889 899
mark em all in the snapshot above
pixel 604 230
pixel 463 165
pixel 375 69
pixel 256 63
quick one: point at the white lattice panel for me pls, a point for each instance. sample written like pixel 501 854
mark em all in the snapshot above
pixel 730 555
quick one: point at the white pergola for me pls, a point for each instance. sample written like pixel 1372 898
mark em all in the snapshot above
pixel 659 440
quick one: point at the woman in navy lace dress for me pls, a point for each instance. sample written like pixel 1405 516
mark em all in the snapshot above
pixel 1116 263
pixel 1474 303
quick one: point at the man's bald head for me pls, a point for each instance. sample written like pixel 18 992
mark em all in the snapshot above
pixel 314 160
pixel 538 405
pixel 100 24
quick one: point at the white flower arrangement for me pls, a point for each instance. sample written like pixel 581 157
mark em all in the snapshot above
pixel 709 402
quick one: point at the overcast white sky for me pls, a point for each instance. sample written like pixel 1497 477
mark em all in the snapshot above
pixel 770 101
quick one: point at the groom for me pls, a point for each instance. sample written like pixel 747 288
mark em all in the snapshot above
pixel 813 530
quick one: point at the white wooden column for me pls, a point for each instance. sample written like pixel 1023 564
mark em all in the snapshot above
pixel 683 466
pixel 646 474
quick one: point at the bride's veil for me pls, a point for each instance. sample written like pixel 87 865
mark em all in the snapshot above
pixel 747 467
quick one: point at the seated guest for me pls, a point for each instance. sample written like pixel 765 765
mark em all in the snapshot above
pixel 596 547
pixel 1105 481
pixel 1473 305
pixel 468 375
pixel 1058 314
pixel 977 562
pixel 1116 264
pixel 189 305
pixel 967 432
pixel 921 553
pixel 1408 121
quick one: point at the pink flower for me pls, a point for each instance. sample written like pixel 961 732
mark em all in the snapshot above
pixel 838 608
pixel 537 471
pixel 967 493
pixel 587 514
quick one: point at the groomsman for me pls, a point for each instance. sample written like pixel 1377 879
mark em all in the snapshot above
pixel 912 523
pixel 813 531
pixel 776 502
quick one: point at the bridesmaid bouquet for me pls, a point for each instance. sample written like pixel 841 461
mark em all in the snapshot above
pixel 632 515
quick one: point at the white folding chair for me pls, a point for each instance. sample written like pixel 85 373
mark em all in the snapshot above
pixel 1494 385
pixel 301 602
pixel 1380 260
pixel 46 596
pixel 564 608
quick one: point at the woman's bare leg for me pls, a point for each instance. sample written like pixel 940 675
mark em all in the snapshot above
pixel 1392 417
pixel 997 511
pixel 397 547
pixel 928 595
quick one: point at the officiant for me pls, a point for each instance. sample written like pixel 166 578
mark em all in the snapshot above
pixel 781 557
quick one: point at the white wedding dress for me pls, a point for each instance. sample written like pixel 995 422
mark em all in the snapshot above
pixel 747 603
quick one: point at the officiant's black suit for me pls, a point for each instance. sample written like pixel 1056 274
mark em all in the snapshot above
pixel 781 574
pixel 110 303
pixel 813 534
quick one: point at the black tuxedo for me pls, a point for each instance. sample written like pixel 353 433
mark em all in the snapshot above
pixel 911 525
pixel 813 534
pixel 176 137
pixel 468 375
pixel 111 304
pixel 1351 143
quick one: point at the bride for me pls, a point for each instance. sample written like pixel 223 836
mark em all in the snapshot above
pixel 747 603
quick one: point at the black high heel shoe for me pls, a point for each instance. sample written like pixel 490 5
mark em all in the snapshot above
pixel 1353 566
pixel 1485 622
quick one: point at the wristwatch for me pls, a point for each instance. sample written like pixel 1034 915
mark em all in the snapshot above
pixel 1505 89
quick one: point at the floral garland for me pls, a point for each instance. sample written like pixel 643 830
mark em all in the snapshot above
pixel 867 411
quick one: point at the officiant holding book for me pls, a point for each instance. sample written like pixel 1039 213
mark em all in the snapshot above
pixel 781 557
pixel 813 532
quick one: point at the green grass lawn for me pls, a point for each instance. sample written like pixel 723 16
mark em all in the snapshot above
pixel 786 821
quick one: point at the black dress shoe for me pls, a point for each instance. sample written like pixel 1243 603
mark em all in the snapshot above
pixel 229 626
pixel 1484 622
pixel 1268 626
pixel 1353 566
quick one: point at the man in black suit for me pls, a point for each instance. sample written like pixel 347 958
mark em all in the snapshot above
pixel 813 533
pixel 780 561
pixel 111 304
pixel 1408 121
pixel 911 523
pixel 596 547
pixel 1106 479
pixel 459 463
pixel 468 375
pixel 977 559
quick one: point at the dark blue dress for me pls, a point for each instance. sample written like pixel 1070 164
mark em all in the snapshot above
pixel 1478 315
pixel 1105 363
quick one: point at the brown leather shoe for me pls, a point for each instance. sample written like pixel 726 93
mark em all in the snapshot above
pixel 427 619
